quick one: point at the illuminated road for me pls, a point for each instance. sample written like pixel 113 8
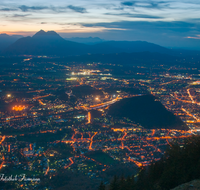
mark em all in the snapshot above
pixel 153 132
pixel 188 91
pixel 105 104
pixel 71 162
pixel 90 146
pixel 47 171
pixel 166 137
pixel 189 114
pixel 123 139
pixel 89 117
pixel 168 82
pixel 39 97
pixel 186 101
pixel 1 165
pixel 136 153
pixel 135 162
pixel 41 102
pixel 3 138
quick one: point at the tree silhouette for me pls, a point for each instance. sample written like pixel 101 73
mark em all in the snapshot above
pixel 180 164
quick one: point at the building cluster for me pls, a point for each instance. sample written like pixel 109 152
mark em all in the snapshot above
pixel 55 116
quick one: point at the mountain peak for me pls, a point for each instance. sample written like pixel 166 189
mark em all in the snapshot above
pixel 4 34
pixel 51 33
pixel 42 33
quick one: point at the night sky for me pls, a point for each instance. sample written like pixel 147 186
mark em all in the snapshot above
pixel 172 23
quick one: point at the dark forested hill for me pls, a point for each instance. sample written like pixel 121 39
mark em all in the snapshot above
pixel 147 111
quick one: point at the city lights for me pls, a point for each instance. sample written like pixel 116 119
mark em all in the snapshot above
pixel 18 108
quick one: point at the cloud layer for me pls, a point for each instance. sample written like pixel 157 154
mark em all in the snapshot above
pixel 154 20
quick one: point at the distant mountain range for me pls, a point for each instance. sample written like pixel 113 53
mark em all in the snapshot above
pixel 44 43
pixel 51 44
pixel 6 40
pixel 89 41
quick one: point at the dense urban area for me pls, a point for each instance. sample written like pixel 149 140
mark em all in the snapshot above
pixel 58 116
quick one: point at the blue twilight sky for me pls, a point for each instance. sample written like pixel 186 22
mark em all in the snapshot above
pixel 171 23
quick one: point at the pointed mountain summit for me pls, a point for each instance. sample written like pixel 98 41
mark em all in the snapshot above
pixel 45 43
pixel 41 32
pixel 49 34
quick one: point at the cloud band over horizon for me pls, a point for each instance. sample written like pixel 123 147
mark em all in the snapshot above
pixel 162 22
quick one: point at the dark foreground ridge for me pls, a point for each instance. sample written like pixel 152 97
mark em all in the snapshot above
pixel 178 167
pixel 192 185
pixel 147 111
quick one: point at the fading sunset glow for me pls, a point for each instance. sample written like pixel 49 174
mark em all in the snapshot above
pixel 163 22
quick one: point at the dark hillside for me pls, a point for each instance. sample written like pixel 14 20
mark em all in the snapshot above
pixel 147 111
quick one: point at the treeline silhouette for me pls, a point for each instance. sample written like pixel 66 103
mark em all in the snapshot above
pixel 180 164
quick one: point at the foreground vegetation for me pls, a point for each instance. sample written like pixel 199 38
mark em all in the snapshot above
pixel 179 165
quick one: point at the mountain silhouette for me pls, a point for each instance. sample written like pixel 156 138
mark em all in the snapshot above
pixel 130 47
pixel 89 40
pixel 52 44
pixel 45 43
pixel 7 40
